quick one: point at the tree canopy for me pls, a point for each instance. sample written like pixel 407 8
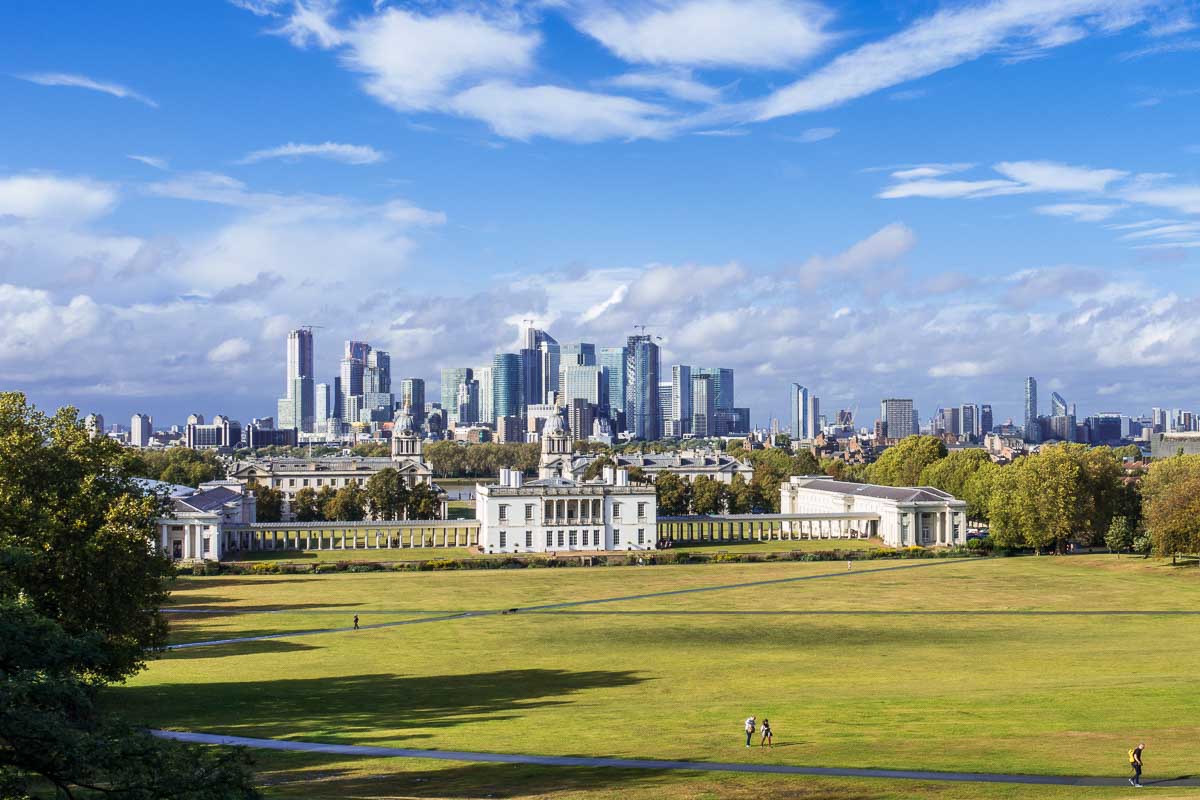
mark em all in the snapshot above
pixel 902 463
pixel 1171 505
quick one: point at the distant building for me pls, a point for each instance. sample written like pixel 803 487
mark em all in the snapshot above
pixel 94 424
pixel 1167 445
pixel 562 515
pixel 897 415
pixel 680 418
pixel 704 406
pixel 686 465
pixel 508 429
pixel 642 415
pixel 969 420
pixel 612 360
pixel 412 397
pixel 506 386
pixel 1058 406
pixel 487 395
pixel 985 419
pixel 257 436
pixel 141 430
pixel 722 385
pixel 452 378
pixel 222 433
pixel 1032 427
pixel 907 516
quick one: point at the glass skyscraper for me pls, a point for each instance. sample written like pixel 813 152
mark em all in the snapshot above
pixel 452 378
pixel 612 361
pixel 642 413
pixel 722 385
pixel 1033 428
pixel 506 385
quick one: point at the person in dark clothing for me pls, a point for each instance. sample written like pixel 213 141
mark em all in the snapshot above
pixel 1135 763
pixel 766 734
pixel 356 622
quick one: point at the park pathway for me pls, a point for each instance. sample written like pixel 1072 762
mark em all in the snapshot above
pixel 571 603
pixel 654 764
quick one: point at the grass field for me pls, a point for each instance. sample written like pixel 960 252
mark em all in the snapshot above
pixel 944 665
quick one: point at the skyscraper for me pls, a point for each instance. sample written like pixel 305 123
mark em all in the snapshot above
pixel 141 430
pixel 612 360
pixel 506 386
pixel 805 411
pixel 642 414
pixel 540 359
pixel 985 419
pixel 322 410
pixel 969 418
pixel 467 403
pixel 586 383
pixel 722 385
pixel 578 354
pixel 1032 428
pixel 377 372
pixel 664 409
pixel 1058 406
pixel 704 405
pixel 898 417
pixel 487 397
pixel 452 378
pixel 412 396
pixel 351 375
pixel 680 416
pixel 298 390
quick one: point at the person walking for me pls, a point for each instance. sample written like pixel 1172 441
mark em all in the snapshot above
pixel 1135 764
pixel 749 729
pixel 766 734
pixel 356 622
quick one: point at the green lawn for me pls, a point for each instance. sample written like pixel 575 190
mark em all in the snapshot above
pixel 360 554
pixel 865 687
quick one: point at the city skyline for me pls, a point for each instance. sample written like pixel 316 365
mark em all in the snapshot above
pixel 823 197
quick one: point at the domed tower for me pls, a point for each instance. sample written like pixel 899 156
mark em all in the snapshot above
pixel 405 442
pixel 557 447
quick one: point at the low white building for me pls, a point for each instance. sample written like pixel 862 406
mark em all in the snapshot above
pixel 907 515
pixel 561 515
pixel 194 530
pixel 686 465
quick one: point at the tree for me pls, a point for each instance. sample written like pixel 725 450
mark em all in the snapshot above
pixel 902 463
pixel 596 468
pixel 77 533
pixel 422 502
pixel 1130 451
pixel 708 495
pixel 1120 535
pixel 805 463
pixel 387 494
pixel 739 498
pixel 674 494
pixel 1171 505
pixel 306 507
pixel 348 504
pixel 1038 500
pixel 268 502
pixel 955 474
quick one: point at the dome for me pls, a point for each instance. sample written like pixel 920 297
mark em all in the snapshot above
pixel 556 424
pixel 404 422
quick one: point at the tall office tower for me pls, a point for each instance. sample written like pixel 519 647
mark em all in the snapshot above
pixel 642 414
pixel 1032 428
pixel 680 417
pixel 704 406
pixel 585 383
pixel 357 350
pixel 323 408
pixel 578 354
pixel 664 410
pixel 985 419
pixel 969 419
pixel 1158 420
pixel 302 405
pixel 612 361
pixel 337 409
pixel 898 416
pixel 452 378
pixel 551 358
pixel 1058 406
pixel 412 396
pixel 805 411
pixel 487 397
pixel 951 422
pixel 351 375
pixel 377 372
pixel 467 403
pixel 540 359
pixel 141 430
pixel 722 384
pixel 94 423
pixel 506 386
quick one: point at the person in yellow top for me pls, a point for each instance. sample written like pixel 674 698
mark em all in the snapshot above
pixel 1135 763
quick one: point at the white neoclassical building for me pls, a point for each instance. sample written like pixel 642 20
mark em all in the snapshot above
pixel 195 529
pixel 907 515
pixel 554 514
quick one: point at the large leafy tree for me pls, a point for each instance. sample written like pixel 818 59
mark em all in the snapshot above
pixel 348 504
pixel 268 502
pixel 306 507
pixel 1171 505
pixel 955 474
pixel 902 463
pixel 739 498
pixel 422 502
pixel 80 588
pixel 387 494
pixel 708 495
pixel 674 494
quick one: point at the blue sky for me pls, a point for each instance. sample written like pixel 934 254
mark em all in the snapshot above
pixel 901 199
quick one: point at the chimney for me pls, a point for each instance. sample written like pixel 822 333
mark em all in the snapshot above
pixel 504 479
pixel 622 477
pixel 609 476
pixel 515 477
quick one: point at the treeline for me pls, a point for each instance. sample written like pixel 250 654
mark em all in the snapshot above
pixel 385 496
pixel 174 465
pixel 456 460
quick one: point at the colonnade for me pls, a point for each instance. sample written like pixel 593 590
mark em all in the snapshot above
pixel 340 537
pixel 768 528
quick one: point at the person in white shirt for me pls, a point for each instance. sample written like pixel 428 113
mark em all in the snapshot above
pixel 749 730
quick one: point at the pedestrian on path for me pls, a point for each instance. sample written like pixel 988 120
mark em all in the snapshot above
pixel 766 734
pixel 1135 764
pixel 847 565
pixel 356 622
pixel 749 729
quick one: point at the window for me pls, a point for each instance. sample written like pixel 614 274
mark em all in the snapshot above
pixel 206 545
pixel 616 537
pixel 529 538
pixel 548 511
pixel 291 481
pixel 549 539
pixel 503 512
pixel 560 538
pixel 585 539
pixel 641 535
pixel 528 512
pixel 572 538
pixel 616 510
pixel 641 510
pixel 304 482
pixel 503 538
pixel 318 481
pixel 596 540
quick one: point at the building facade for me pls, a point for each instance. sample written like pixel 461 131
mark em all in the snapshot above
pixel 898 417
pixel 194 528
pixel 551 515
pixel 642 414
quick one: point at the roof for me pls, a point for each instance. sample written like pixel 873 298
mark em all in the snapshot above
pixel 674 461
pixel 209 500
pixel 170 489
pixel 900 494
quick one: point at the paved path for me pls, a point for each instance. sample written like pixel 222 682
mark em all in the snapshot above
pixel 569 604
pixel 653 764
pixel 968 612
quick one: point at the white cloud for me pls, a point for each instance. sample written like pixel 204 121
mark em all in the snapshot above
pixel 151 161
pixel 84 82
pixel 525 112
pixel 32 325
pixel 746 33
pixel 674 83
pixel 413 62
pixel 334 151
pixel 1080 212
pixel 1185 46
pixel 230 350
pixel 950 37
pixel 1020 177
pixel 917 171
pixel 45 197
pixel 1050 176
pixel 1181 197
pixel 817 135
pixel 884 246
pixel 948 189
